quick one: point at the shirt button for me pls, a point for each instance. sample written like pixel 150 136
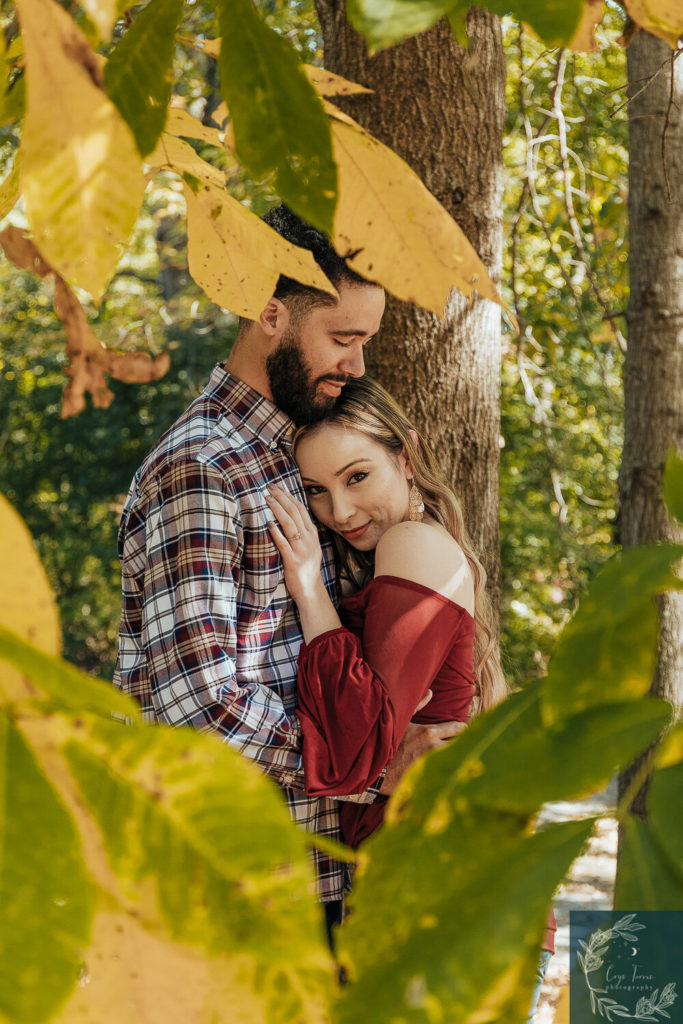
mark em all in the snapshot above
pixel 273 446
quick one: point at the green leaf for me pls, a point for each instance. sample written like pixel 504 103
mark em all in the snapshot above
pixel 673 484
pixel 139 72
pixel 446 923
pixel 529 763
pixel 46 894
pixel 666 788
pixel 646 878
pixel 278 119
pixel 188 819
pixel 607 652
pixel 510 759
pixel 61 686
pixel 384 22
pixel 15 103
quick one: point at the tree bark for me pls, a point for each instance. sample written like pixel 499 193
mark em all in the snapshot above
pixel 653 372
pixel 441 107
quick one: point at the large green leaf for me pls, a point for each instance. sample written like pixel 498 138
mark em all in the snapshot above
pixel 193 852
pixel 383 22
pixel 139 72
pixel 529 763
pixel 46 893
pixel 673 485
pixel 58 684
pixel 646 878
pixel 447 922
pixel 666 793
pixel 188 819
pixel 510 759
pixel 278 119
pixel 607 653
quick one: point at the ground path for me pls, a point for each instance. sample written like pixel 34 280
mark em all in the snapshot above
pixel 589 886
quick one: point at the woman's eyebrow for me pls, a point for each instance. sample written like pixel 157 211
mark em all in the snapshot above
pixel 338 472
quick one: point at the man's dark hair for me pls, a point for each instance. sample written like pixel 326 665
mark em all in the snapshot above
pixel 299 298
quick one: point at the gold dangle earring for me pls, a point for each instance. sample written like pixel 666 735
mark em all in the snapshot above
pixel 416 505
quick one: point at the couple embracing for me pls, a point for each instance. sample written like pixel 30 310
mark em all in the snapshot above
pixel 293 479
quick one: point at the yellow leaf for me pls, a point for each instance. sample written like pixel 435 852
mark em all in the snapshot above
pixel 27 604
pixel 9 191
pixel 129 966
pixel 103 14
pixel 663 18
pixel 181 123
pixel 398 232
pixel 326 83
pixel 562 1008
pixel 236 258
pixel 584 38
pixel 80 170
pixel 211 47
pixel 180 157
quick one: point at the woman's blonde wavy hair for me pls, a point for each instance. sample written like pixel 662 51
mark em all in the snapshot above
pixel 365 406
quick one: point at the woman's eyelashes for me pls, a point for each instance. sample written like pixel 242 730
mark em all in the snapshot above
pixel 315 490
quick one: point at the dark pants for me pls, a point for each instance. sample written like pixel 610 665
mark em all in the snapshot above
pixel 333 918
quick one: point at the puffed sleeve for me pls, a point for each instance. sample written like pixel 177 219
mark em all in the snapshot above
pixel 356 696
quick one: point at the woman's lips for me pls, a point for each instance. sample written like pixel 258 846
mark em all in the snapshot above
pixel 355 534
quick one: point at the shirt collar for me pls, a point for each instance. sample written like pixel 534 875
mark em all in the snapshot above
pixel 246 407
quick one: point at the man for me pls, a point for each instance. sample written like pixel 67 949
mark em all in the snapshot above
pixel 209 635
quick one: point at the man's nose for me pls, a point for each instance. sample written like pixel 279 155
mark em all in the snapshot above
pixel 353 362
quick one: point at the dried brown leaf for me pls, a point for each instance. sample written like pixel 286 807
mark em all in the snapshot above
pixel 89 358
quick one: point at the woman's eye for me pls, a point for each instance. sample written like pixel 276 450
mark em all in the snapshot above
pixel 356 478
pixel 313 492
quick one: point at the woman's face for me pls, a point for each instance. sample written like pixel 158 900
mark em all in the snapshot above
pixel 354 485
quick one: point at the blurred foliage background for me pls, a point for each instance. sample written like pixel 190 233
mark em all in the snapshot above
pixel 561 432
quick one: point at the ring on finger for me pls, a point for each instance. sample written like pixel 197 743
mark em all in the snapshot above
pixel 295 536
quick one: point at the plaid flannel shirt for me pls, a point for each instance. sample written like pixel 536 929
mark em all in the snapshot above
pixel 209 636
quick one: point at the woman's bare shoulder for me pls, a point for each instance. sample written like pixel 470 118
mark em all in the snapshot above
pixel 425 553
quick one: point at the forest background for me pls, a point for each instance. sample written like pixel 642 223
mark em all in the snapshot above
pixel 562 419
pixel 140 879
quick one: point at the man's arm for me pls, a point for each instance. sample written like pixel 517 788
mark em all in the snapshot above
pixel 417 741
pixel 194 546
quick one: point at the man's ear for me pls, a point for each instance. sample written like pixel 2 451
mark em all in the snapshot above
pixel 274 318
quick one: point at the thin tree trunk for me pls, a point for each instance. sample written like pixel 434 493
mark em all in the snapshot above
pixel 441 108
pixel 653 373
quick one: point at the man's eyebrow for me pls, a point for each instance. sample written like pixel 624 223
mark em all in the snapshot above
pixel 339 472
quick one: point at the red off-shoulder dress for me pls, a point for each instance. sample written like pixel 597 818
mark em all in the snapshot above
pixel 359 685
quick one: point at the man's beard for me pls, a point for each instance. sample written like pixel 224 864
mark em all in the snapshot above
pixel 293 388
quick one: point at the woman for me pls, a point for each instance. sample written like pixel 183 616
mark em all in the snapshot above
pixel 420 619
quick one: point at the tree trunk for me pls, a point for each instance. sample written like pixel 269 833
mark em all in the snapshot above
pixel 441 108
pixel 653 373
